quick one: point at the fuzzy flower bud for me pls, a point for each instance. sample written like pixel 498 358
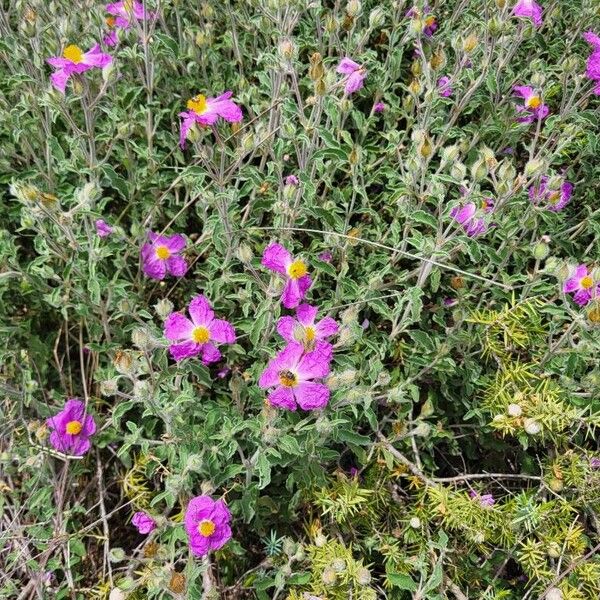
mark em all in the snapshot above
pixel 363 576
pixel 532 427
pixel 541 251
pixel 244 253
pixel 376 18
pixel 108 387
pixel 354 8
pixel 514 410
pixel 320 540
pixel 534 167
pixel 415 522
pixel 339 565
pixel 470 43
pixel 554 594
pixel 287 49
pixel 329 577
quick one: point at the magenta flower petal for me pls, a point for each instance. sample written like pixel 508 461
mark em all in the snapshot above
pixel 347 66
pixel 59 80
pixel 155 268
pixel 178 327
pixel 200 311
pixel 306 314
pixel 326 327
pixel 314 364
pixel 592 38
pixel 222 331
pixel 355 82
pixel 226 108
pixel 184 350
pixel 311 396
pixel 210 354
pixel 525 91
pixel 282 397
pixel 570 285
pixel 529 9
pixel 285 328
pixel 174 243
pixel 103 229
pixel 291 295
pixel 177 266
pixel 186 124
pixel 276 258
pixel 96 58
pixel 269 377
pixel 144 522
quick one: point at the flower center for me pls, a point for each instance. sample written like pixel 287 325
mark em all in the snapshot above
pixel 198 104
pixel 554 197
pixel 206 528
pixel 533 102
pixel 73 427
pixel 162 252
pixel 200 335
pixel 429 21
pixel 586 282
pixel 310 333
pixel 111 21
pixel 297 269
pixel 287 378
pixel 73 53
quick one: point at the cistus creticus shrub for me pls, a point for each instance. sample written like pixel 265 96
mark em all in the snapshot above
pixel 300 300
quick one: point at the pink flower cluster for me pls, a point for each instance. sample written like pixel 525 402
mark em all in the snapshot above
pixel 473 222
pixel 593 63
pixel 551 199
pixel 295 374
pixel 583 285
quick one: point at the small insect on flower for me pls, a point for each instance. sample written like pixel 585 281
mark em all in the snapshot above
pixel 144 522
pixel 198 335
pixel 161 255
pixel 592 71
pixel 533 108
pixel 552 199
pixel 206 111
pixel 73 61
pixel 71 428
pixel 278 259
pixel 292 372
pixel 103 229
pixel 582 285
pixel 207 524
pixel 355 75
pixel 303 328
pixel 529 9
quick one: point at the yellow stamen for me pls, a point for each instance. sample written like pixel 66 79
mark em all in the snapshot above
pixel 287 378
pixel 310 333
pixel 162 252
pixel 554 197
pixel 533 102
pixel 73 427
pixel 198 104
pixel 586 282
pixel 73 53
pixel 201 335
pixel 206 528
pixel 297 269
pixel 111 21
pixel 429 21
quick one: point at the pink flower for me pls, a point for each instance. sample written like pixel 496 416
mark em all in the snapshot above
pixel 378 107
pixel 444 86
pixel 593 63
pixel 75 60
pixel 161 256
pixel 292 372
pixel 529 9
pixel 206 111
pixel 103 229
pixel 127 11
pixel 292 180
pixel 355 75
pixel 71 428
pixel 582 285
pixel 554 200
pixel 485 500
pixel 465 215
pixel 207 524
pixel 533 108
pixel 197 336
pixel 325 256
pixel 278 259
pixel 430 24
pixel 144 522
pixel 303 328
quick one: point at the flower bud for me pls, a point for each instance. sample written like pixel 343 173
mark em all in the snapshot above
pixel 320 540
pixel 541 251
pixel 354 8
pixel 109 387
pixel 423 429
pixel 458 171
pixel 415 522
pixel 556 484
pixel 532 427
pixel 376 18
pixel 470 43
pixel 479 170
pixel 244 253
pixel 140 338
pixel 177 583
pixel 289 546
pixel 339 565
pixel 323 426
pixel 363 576
pixel 329 577
pixel 534 167
pixel 321 88
pixel 593 312
pixel 116 594
pixel 554 550
pixel 554 594
pixel 438 59
pixel 355 155
pixel 514 410
pixel 316 70
pixel 287 49
pixel 449 154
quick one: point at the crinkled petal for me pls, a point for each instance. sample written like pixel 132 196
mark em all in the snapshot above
pixel 525 91
pixel 89 426
pixel 96 58
pixel 221 536
pixel 178 327
pixel 282 397
pixel 326 327
pixel 184 350
pixel 176 266
pixel 220 514
pixel 311 396
pixel 270 376
pixel 200 311
pixel 154 267
pixel 347 66
pixel 314 364
pixel 59 80
pixel 187 123
pixel 570 285
pixel 175 243
pixel 210 354
pixel 306 314
pixel 222 331
pixel 285 328
pixel 276 258
pixel 355 82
